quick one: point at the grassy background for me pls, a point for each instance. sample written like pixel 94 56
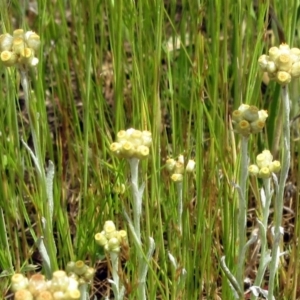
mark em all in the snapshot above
pixel 176 68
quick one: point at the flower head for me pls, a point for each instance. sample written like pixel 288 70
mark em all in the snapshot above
pixel 177 167
pixel 132 143
pixel 61 286
pixel 265 165
pixel 110 238
pixel 20 49
pixel 248 119
pixel 282 63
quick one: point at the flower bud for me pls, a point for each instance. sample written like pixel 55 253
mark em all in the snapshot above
pixel 170 164
pixel 295 71
pixel 26 56
pixel 18 45
pixel 122 234
pixel 284 48
pixel 295 51
pixel 59 295
pixel 179 168
pixel 262 160
pixel 253 170
pixel 237 115
pixel 283 77
pixel 44 295
pixel 190 167
pixel 113 245
pixel 101 239
pixel 72 283
pixel 109 227
pixel 70 267
pixel 180 159
pixel 244 128
pixel 8 58
pixel 37 284
pixel 80 267
pixel 142 151
pixel 268 155
pixel 59 282
pixel 271 67
pixel 73 294
pixel 262 115
pixel 89 274
pixel 18 33
pixel 257 126
pixel 147 138
pixel 129 132
pixel 284 62
pixel 275 166
pixel 23 295
pixel 177 177
pixel 136 138
pixel 263 62
pixel 274 52
pixel 115 148
pixel 243 107
pixel 6 41
pixel 122 136
pixel 264 172
pixel 32 40
pixel 128 149
pixel 251 114
pixel 18 282
pixel 295 55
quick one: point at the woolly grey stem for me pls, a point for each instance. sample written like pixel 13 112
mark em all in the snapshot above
pixel 45 183
pixel 234 283
pixel 266 197
pixel 116 287
pixel 137 193
pixel 137 196
pixel 25 85
pixel 46 259
pixel 180 207
pixel 143 270
pixel 114 258
pixel 49 188
pixel 83 288
pixel 278 205
pixel 242 213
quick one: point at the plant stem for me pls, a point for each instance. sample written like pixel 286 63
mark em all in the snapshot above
pixel 179 196
pixel 278 206
pixel 137 193
pixel 114 258
pixel 117 288
pixel 137 196
pixel 234 283
pixel 266 197
pixel 242 214
pixel 83 288
pixel 39 164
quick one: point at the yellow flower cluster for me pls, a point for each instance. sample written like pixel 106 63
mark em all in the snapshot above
pixel 110 238
pixel 282 63
pixel 60 287
pixel 20 48
pixel 248 119
pixel 132 144
pixel 265 165
pixel 80 271
pixel 177 167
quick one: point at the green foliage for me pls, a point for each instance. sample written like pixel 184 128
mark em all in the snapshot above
pixel 175 68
